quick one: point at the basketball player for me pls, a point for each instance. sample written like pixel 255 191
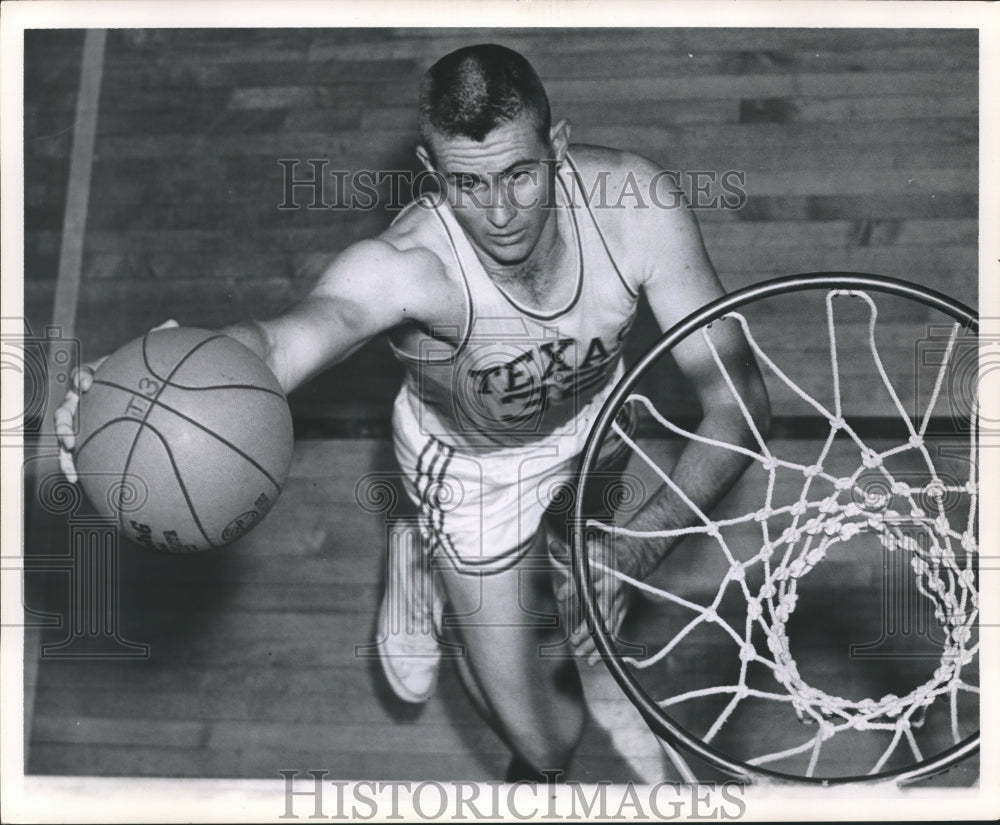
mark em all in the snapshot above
pixel 508 301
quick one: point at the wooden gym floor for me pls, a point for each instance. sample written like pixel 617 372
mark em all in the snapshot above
pixel 254 663
pixel 860 151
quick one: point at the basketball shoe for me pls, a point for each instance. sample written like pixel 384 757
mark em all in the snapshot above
pixel 408 620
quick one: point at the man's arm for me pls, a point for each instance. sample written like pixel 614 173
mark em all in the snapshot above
pixel 677 277
pixel 365 291
pixel 369 288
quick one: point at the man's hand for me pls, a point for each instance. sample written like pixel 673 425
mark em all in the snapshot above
pixel 612 598
pixel 80 381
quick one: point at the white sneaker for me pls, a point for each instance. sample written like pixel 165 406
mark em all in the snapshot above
pixel 407 618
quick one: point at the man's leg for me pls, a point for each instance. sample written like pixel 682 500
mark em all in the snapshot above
pixel 533 699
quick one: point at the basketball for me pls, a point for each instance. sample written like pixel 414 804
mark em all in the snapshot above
pixel 185 440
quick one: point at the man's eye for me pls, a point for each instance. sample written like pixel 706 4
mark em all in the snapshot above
pixel 467 183
pixel 521 176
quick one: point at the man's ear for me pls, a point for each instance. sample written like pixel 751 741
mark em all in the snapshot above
pixel 559 138
pixel 425 158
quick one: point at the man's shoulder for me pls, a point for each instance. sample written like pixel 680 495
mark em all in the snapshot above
pixel 621 183
pixel 415 234
pixel 614 165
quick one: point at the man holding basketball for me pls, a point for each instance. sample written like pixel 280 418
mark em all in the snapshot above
pixel 508 305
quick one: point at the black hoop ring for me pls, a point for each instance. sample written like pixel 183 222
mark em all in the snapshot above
pixel 654 715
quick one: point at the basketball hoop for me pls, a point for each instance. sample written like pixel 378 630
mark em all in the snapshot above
pixel 895 508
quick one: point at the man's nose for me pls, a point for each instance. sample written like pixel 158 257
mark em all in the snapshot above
pixel 501 211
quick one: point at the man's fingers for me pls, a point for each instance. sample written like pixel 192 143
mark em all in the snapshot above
pixel 64 419
pixel 66 465
pixel 586 649
pixel 83 376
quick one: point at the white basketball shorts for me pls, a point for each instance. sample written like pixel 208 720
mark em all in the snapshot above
pixel 482 510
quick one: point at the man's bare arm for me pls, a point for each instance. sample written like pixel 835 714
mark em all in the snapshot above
pixel 362 293
pixel 369 288
pixel 679 279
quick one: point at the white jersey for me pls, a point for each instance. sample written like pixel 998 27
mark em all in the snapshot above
pixel 519 375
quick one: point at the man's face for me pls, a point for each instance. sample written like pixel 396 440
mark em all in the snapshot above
pixel 501 189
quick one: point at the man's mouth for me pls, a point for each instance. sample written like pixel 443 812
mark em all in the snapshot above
pixel 507 237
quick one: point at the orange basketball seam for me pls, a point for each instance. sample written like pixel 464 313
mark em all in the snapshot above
pixel 195 422
pixel 177 475
pixel 166 379
pixel 168 382
pixel 144 422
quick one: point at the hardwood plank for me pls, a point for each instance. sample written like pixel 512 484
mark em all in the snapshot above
pixel 838 233
pixel 817 85
pixel 914 182
pixel 854 109
pixel 434 43
pixel 325 708
pixel 919 264
pixel 108 760
pixel 716 232
pixel 762 207
pixel 347 146
pixel 116 731
pixel 201 70
pixel 731 61
pixel 87 760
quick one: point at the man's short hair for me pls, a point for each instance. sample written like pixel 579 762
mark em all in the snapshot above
pixel 473 90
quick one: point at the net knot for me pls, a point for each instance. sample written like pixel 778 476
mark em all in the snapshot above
pixel 935 491
pixel 786 607
pixel 944 672
pixel 870 458
pixel 967 578
pixel 774 643
pixel 849 530
pixel 798 508
pixel 916 441
pixel 901 488
pixel 843 483
pixel 892 704
pixel 754 610
pixel 961 635
pixel 815 556
pixel 770 463
pixel 812 470
pixel 763 514
pixel 738 571
pixel 941 525
pixel 829 505
pixel 867 705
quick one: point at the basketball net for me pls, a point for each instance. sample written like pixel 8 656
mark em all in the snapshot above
pixel 942 563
